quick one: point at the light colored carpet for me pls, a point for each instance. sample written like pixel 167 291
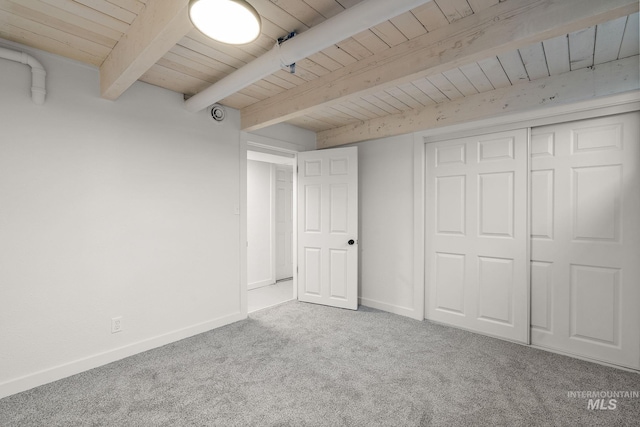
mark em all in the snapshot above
pixel 299 364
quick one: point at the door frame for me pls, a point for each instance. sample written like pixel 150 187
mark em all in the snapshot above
pixel 617 104
pixel 248 141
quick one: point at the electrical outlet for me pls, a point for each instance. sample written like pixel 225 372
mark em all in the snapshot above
pixel 116 324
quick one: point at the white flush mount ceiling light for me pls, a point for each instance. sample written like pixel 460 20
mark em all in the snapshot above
pixel 227 21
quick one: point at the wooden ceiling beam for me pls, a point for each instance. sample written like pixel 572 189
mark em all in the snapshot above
pixel 507 26
pixel 607 79
pixel 158 28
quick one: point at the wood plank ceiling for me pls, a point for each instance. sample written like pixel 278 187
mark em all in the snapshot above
pixel 89 30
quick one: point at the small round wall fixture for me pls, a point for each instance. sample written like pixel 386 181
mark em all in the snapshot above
pixel 227 21
pixel 217 113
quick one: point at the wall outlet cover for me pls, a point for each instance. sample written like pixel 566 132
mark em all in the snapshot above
pixel 116 325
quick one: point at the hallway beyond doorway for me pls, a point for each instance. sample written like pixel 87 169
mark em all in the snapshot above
pixel 268 296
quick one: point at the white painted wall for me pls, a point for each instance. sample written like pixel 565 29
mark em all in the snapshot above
pixel 386 224
pixel 283 219
pixel 125 208
pixel 260 224
pixel 302 139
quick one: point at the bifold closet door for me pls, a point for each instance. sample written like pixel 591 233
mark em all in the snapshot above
pixel 585 243
pixel 477 260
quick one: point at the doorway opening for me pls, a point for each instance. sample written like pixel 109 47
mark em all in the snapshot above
pixel 270 225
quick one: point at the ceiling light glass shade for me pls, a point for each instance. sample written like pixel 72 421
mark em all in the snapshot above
pixel 227 21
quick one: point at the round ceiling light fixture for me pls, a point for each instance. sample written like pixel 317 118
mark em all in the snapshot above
pixel 227 21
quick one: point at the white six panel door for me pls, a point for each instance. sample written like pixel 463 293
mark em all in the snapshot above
pixel 476 234
pixel 328 227
pixel 585 237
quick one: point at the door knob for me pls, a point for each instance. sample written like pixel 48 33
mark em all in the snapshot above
pixel 351 242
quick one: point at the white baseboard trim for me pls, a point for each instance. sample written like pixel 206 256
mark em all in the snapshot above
pixel 55 373
pixel 585 358
pixel 261 283
pixel 395 309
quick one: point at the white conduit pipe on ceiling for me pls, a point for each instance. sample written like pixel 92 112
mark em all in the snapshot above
pixel 38 74
pixel 354 20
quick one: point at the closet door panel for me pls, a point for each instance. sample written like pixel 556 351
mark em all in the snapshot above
pixel 585 238
pixel 476 223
